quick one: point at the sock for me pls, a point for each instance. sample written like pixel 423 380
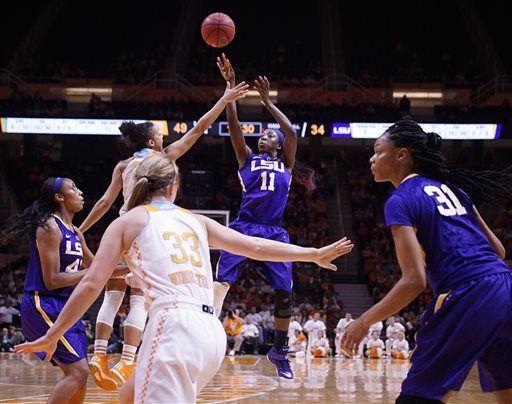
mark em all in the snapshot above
pixel 100 347
pixel 280 338
pixel 128 355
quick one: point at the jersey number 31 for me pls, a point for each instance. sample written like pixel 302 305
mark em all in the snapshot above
pixel 448 204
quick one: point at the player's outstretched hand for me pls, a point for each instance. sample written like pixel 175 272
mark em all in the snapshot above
pixel 43 344
pixel 262 86
pixel 235 93
pixel 227 71
pixel 328 253
pixel 353 335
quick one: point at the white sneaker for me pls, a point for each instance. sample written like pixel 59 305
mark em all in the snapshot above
pixel 231 353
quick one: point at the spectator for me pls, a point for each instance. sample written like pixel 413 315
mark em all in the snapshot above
pixel 394 328
pixel 375 346
pixel 320 346
pixel 312 327
pixel 299 345
pixel 233 325
pixel 6 313
pixel 374 327
pixel 251 335
pixel 339 332
pixel 292 328
pixel 6 343
pixel 400 347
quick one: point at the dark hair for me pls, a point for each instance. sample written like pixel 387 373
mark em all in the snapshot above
pixel 36 215
pixel 304 176
pixel 482 186
pixel 136 134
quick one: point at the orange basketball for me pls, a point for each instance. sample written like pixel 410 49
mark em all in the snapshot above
pixel 218 30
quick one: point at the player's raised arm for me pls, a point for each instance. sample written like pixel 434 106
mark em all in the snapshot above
pixel 48 243
pixel 106 201
pixel 180 147
pixel 267 250
pixel 262 85
pixel 242 151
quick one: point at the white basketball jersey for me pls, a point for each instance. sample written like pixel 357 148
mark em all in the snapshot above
pixel 128 175
pixel 171 255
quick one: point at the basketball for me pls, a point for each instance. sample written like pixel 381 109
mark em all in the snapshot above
pixel 218 30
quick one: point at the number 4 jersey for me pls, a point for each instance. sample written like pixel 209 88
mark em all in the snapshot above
pixel 455 247
pixel 265 185
pixel 70 259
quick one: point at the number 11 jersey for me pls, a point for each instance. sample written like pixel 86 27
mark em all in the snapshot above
pixel 265 185
pixel 454 245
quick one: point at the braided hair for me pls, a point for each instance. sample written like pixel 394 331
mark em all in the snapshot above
pixel 489 186
pixel 36 215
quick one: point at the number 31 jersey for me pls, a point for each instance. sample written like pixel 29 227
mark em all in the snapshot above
pixel 265 185
pixel 171 255
pixel 455 247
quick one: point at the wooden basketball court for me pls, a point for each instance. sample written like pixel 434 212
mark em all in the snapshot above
pixel 251 379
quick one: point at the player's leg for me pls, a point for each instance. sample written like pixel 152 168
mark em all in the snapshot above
pixel 72 387
pixel 112 300
pixel 227 271
pixel 127 391
pixel 133 329
pixel 495 363
pixel 448 342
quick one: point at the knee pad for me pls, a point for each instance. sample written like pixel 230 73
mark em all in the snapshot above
pixel 220 290
pixel 282 304
pixel 137 315
pixel 406 399
pixel 111 303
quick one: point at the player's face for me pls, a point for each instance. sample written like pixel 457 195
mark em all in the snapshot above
pixel 268 142
pixel 384 162
pixel 71 196
pixel 158 138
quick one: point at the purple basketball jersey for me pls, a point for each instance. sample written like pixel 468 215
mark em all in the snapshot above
pixel 265 185
pixel 70 261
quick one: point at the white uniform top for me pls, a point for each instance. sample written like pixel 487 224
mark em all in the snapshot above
pixel 401 345
pixel 313 326
pixel 320 343
pixel 391 331
pixel 343 323
pixel 128 175
pixel 171 256
pixel 294 325
pixel 375 327
pixel 377 343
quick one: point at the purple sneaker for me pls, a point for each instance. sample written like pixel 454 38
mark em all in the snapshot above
pixel 278 357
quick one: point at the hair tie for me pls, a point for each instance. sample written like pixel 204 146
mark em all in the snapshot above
pixel 57 184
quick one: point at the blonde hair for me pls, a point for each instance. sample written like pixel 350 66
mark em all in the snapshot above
pixel 152 177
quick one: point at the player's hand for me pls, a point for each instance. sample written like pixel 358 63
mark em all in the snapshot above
pixel 353 335
pixel 43 344
pixel 262 86
pixel 235 93
pixel 227 71
pixel 328 253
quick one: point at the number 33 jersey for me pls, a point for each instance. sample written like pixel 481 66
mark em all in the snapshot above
pixel 171 255
pixel 454 245
pixel 265 185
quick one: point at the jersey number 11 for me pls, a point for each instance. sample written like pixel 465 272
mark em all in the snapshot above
pixel 271 177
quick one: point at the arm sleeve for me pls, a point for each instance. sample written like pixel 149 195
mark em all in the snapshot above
pixel 397 212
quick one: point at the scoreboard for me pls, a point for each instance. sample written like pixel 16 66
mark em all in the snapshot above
pixel 318 128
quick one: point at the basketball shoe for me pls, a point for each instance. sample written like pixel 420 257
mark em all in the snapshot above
pixel 279 358
pixel 122 371
pixel 101 374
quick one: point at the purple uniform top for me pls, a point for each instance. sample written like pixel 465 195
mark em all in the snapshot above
pixel 265 185
pixel 70 252
pixel 455 247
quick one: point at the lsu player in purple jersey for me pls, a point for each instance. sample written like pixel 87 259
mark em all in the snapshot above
pixel 441 239
pixel 148 141
pixel 57 253
pixel 265 177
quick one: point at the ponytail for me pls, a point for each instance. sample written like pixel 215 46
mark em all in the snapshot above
pixel 152 177
pixel 489 186
pixel 36 215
